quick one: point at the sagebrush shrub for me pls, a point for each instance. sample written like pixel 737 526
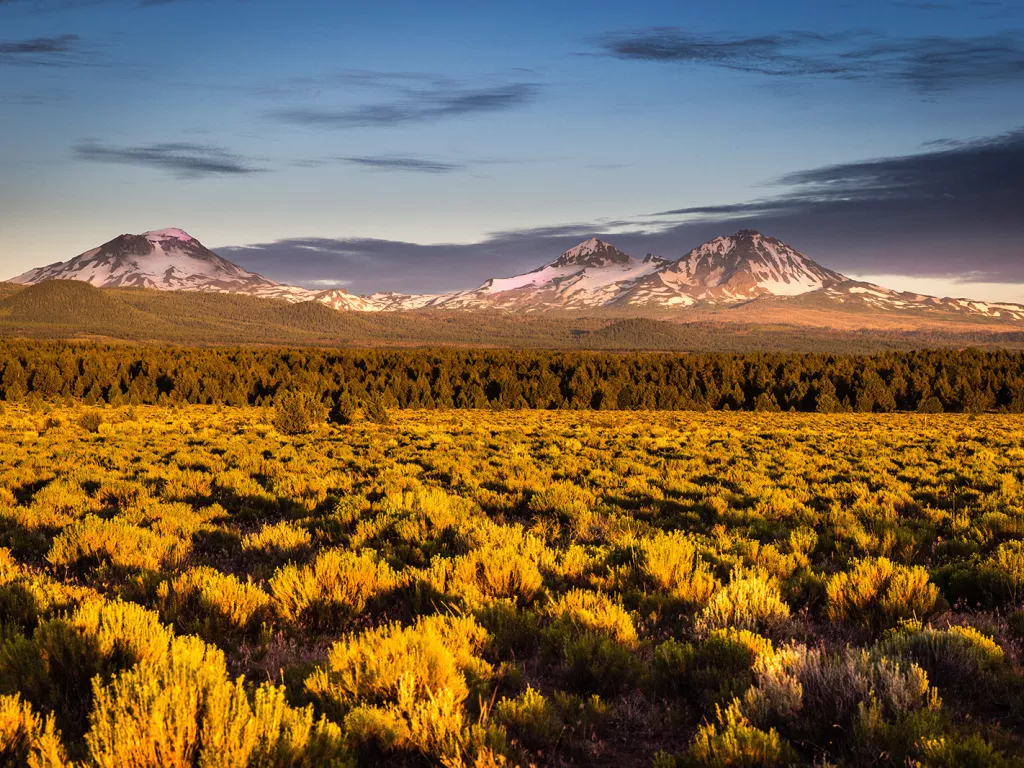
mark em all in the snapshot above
pixel 26 738
pixel 90 421
pixel 495 573
pixel 531 719
pixel 583 609
pixel 333 589
pixel 212 604
pixel 284 539
pixel 58 504
pixel 118 543
pixel 733 742
pixel 961 658
pixel 718 668
pixel 594 638
pixel 673 563
pixel 403 688
pixel 1008 562
pixel 877 592
pixel 808 693
pixel 749 601
pixel 182 710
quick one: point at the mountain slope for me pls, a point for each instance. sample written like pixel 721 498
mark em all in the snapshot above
pixel 593 274
pixel 166 260
pixel 732 269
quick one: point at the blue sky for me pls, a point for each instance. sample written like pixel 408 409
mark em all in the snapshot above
pixel 427 146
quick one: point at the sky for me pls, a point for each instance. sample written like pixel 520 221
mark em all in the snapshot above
pixel 423 147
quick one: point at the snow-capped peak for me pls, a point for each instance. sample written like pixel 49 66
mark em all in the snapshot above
pixel 163 235
pixel 586 247
pixel 592 253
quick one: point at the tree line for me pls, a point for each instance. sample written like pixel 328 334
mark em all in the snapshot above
pixel 928 380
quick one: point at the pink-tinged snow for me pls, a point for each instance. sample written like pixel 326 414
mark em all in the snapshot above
pixel 594 279
pixel 585 248
pixel 540 277
pixel 172 233
pixel 874 291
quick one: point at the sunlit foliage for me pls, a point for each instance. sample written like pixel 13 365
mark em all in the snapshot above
pixel 190 585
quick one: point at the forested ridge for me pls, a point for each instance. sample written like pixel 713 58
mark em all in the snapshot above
pixel 930 380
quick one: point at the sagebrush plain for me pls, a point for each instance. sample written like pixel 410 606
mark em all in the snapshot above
pixel 189 585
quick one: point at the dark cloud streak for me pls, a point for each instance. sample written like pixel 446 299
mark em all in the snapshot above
pixel 57 51
pixel 184 159
pixel 437 102
pixel 403 163
pixel 927 64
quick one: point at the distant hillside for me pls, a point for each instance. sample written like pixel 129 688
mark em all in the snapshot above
pixel 67 302
pixel 75 310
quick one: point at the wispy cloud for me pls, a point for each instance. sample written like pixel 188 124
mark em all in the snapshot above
pixel 181 158
pixel 436 101
pixel 56 51
pixel 405 163
pixel 925 63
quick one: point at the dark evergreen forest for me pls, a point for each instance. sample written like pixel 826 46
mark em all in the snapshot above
pixel 933 381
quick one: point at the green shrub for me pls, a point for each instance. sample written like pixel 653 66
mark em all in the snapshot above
pixel 733 742
pixel 717 669
pixel 960 658
pixel 531 719
pixel 297 412
pixel 90 421
pixel 970 751
pixel 1008 561
pixel 594 638
pixel 876 593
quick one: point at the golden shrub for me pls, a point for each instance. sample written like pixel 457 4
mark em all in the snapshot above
pixel 206 600
pixel 117 543
pixel 595 611
pixel 26 739
pixel 283 539
pixel 334 588
pixel 402 688
pixel 182 710
pixel 878 592
pixel 674 564
pixel 749 601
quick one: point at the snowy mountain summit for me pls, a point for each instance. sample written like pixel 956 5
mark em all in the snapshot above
pixel 731 269
pixel 165 260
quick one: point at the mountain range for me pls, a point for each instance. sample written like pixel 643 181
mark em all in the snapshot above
pixel 747 269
